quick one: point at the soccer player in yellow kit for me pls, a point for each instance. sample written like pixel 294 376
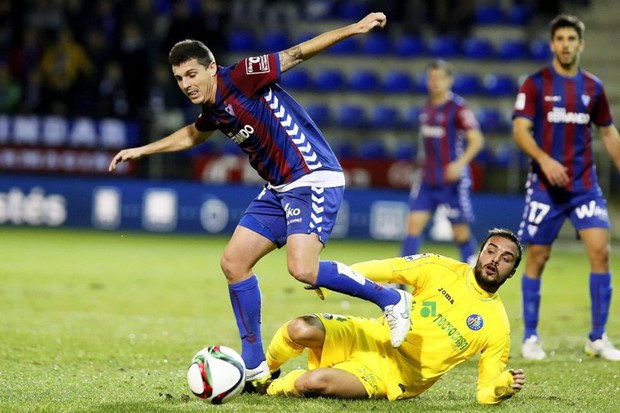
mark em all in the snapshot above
pixel 456 314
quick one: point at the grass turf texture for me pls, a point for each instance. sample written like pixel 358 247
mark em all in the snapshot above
pixel 108 322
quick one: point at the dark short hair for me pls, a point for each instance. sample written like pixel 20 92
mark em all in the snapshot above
pixel 441 64
pixel 509 235
pixel 189 49
pixel 567 20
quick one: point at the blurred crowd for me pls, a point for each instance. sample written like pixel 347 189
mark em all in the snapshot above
pixel 98 58
pixel 107 58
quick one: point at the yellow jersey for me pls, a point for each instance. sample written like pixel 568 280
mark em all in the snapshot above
pixel 453 320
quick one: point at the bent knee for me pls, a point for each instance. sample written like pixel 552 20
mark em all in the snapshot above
pixel 314 382
pixel 305 330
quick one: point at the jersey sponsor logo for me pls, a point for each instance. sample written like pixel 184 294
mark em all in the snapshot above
pixel 429 131
pixel 591 210
pixel 560 115
pixel 242 135
pixel 429 309
pixel 520 101
pixel 553 98
pixel 292 214
pixel 455 335
pixel 257 65
pixel 446 295
pixel 475 322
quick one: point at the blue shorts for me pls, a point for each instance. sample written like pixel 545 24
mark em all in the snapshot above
pixel 546 211
pixel 455 197
pixel 303 210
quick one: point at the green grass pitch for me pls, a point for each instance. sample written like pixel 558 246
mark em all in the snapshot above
pixel 108 322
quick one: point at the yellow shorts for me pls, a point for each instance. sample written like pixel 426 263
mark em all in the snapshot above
pixel 360 346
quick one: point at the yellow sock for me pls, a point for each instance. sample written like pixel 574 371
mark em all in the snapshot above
pixel 285 386
pixel 281 349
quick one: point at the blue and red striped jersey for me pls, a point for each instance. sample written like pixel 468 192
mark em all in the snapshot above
pixel 283 143
pixel 563 110
pixel 442 130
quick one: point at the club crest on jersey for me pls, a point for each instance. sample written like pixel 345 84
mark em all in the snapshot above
pixel 585 99
pixel 475 322
pixel 257 65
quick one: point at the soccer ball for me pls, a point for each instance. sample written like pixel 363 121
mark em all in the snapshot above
pixel 216 374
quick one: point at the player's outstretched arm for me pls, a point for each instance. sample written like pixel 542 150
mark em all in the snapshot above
pixel 295 55
pixel 184 138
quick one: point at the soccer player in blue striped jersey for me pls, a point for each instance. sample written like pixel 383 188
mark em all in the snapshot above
pixel 554 115
pixel 305 183
pixel 451 139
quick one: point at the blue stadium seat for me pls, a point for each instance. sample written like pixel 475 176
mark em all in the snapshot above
pixel 297 79
pixel 398 81
pixel 344 148
pixel 444 46
pixel 513 49
pixel 385 116
pixel 241 41
pixel 329 80
pixel 478 48
pixel 467 84
pixel 500 84
pixel 274 42
pixel 345 47
pixel 412 118
pixel 406 150
pixel 373 149
pixel 491 120
pixel 363 80
pixel 489 14
pixel 520 14
pixel 351 116
pixel 353 10
pixel 231 148
pixel 320 114
pixel 375 44
pixel 539 50
pixel 409 46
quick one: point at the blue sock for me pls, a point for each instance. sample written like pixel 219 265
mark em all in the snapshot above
pixel 338 277
pixel 411 245
pixel 530 290
pixel 245 298
pixel 600 295
pixel 468 250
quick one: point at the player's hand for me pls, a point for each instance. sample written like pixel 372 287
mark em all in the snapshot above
pixel 124 156
pixel 371 21
pixel 453 171
pixel 555 172
pixel 518 376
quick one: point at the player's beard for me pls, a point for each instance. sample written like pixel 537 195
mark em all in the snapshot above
pixel 486 284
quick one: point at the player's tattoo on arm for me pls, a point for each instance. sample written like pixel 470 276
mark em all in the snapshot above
pixel 290 58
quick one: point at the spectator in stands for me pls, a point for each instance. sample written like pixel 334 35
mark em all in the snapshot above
pixel 10 91
pixel 554 115
pixel 453 17
pixel 451 139
pixel 65 67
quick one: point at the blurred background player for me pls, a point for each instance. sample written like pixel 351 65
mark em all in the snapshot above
pixel 458 315
pixel 299 204
pixel 553 117
pixel 451 139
